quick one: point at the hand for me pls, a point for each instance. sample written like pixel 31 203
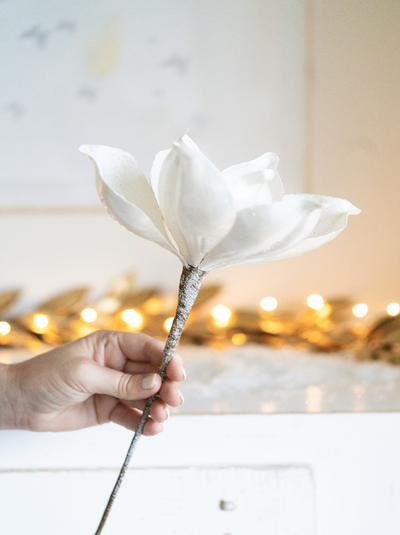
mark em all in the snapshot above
pixel 106 376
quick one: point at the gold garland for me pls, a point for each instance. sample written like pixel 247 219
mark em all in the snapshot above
pixel 320 327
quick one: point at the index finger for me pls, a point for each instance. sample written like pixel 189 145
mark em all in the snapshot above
pixel 141 349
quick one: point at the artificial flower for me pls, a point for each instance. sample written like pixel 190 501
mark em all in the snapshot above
pixel 212 219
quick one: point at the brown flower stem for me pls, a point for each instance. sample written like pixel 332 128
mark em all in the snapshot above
pixel 189 287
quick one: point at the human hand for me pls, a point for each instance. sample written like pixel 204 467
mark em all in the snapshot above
pixel 106 376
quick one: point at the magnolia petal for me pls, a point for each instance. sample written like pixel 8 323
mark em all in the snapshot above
pixel 131 217
pixel 195 202
pixel 264 228
pixel 124 191
pixel 334 216
pixel 188 142
pixel 156 170
pixel 333 220
pixel 254 183
pixel 159 162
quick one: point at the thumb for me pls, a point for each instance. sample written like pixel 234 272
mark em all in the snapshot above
pixel 102 380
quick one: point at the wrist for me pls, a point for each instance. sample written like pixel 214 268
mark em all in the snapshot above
pixel 8 397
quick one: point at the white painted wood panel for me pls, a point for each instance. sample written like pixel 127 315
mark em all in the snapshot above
pixel 353 457
pixel 161 501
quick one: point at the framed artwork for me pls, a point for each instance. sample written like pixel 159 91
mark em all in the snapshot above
pixel 137 75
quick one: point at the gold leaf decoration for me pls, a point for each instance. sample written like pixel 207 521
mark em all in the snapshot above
pixel 67 303
pixel 206 293
pixel 330 329
pixel 136 299
pixel 122 286
pixel 8 299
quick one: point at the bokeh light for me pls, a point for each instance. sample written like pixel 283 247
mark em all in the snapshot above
pixel 239 339
pixel 153 306
pixel 133 318
pixel 360 310
pixel 89 315
pixel 5 328
pixel 269 303
pixel 168 324
pixel 40 321
pixel 393 309
pixel 315 302
pixel 221 315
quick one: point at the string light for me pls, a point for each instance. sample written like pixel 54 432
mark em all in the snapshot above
pixel 153 306
pixel 326 329
pixel 5 328
pixel 393 309
pixel 360 310
pixel 239 339
pixel 168 324
pixel 40 321
pixel 89 315
pixel 133 318
pixel 315 302
pixel 313 336
pixel 273 327
pixel 269 303
pixel 324 311
pixel 221 315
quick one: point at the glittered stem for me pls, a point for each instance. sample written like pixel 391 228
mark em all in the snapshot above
pixel 189 287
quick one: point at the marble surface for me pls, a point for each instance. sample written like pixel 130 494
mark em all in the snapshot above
pixel 258 379
pixel 255 379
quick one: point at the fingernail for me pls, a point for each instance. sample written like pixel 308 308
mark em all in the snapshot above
pixel 167 413
pixel 148 381
pixel 183 373
pixel 182 399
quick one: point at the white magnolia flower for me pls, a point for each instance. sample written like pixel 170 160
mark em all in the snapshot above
pixel 212 219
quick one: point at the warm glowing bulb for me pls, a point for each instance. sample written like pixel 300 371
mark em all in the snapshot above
pixel 393 309
pixel 5 328
pixel 41 321
pixel 133 318
pixel 313 336
pixel 315 301
pixel 269 303
pixel 221 315
pixel 168 324
pixel 239 339
pixel 221 312
pixel 360 310
pixel 153 306
pixel 89 315
pixel 324 311
pixel 273 327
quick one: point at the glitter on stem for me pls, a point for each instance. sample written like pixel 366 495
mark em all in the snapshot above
pixel 189 287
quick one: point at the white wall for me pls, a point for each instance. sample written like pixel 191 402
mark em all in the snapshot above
pixel 352 125
pixel 354 141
